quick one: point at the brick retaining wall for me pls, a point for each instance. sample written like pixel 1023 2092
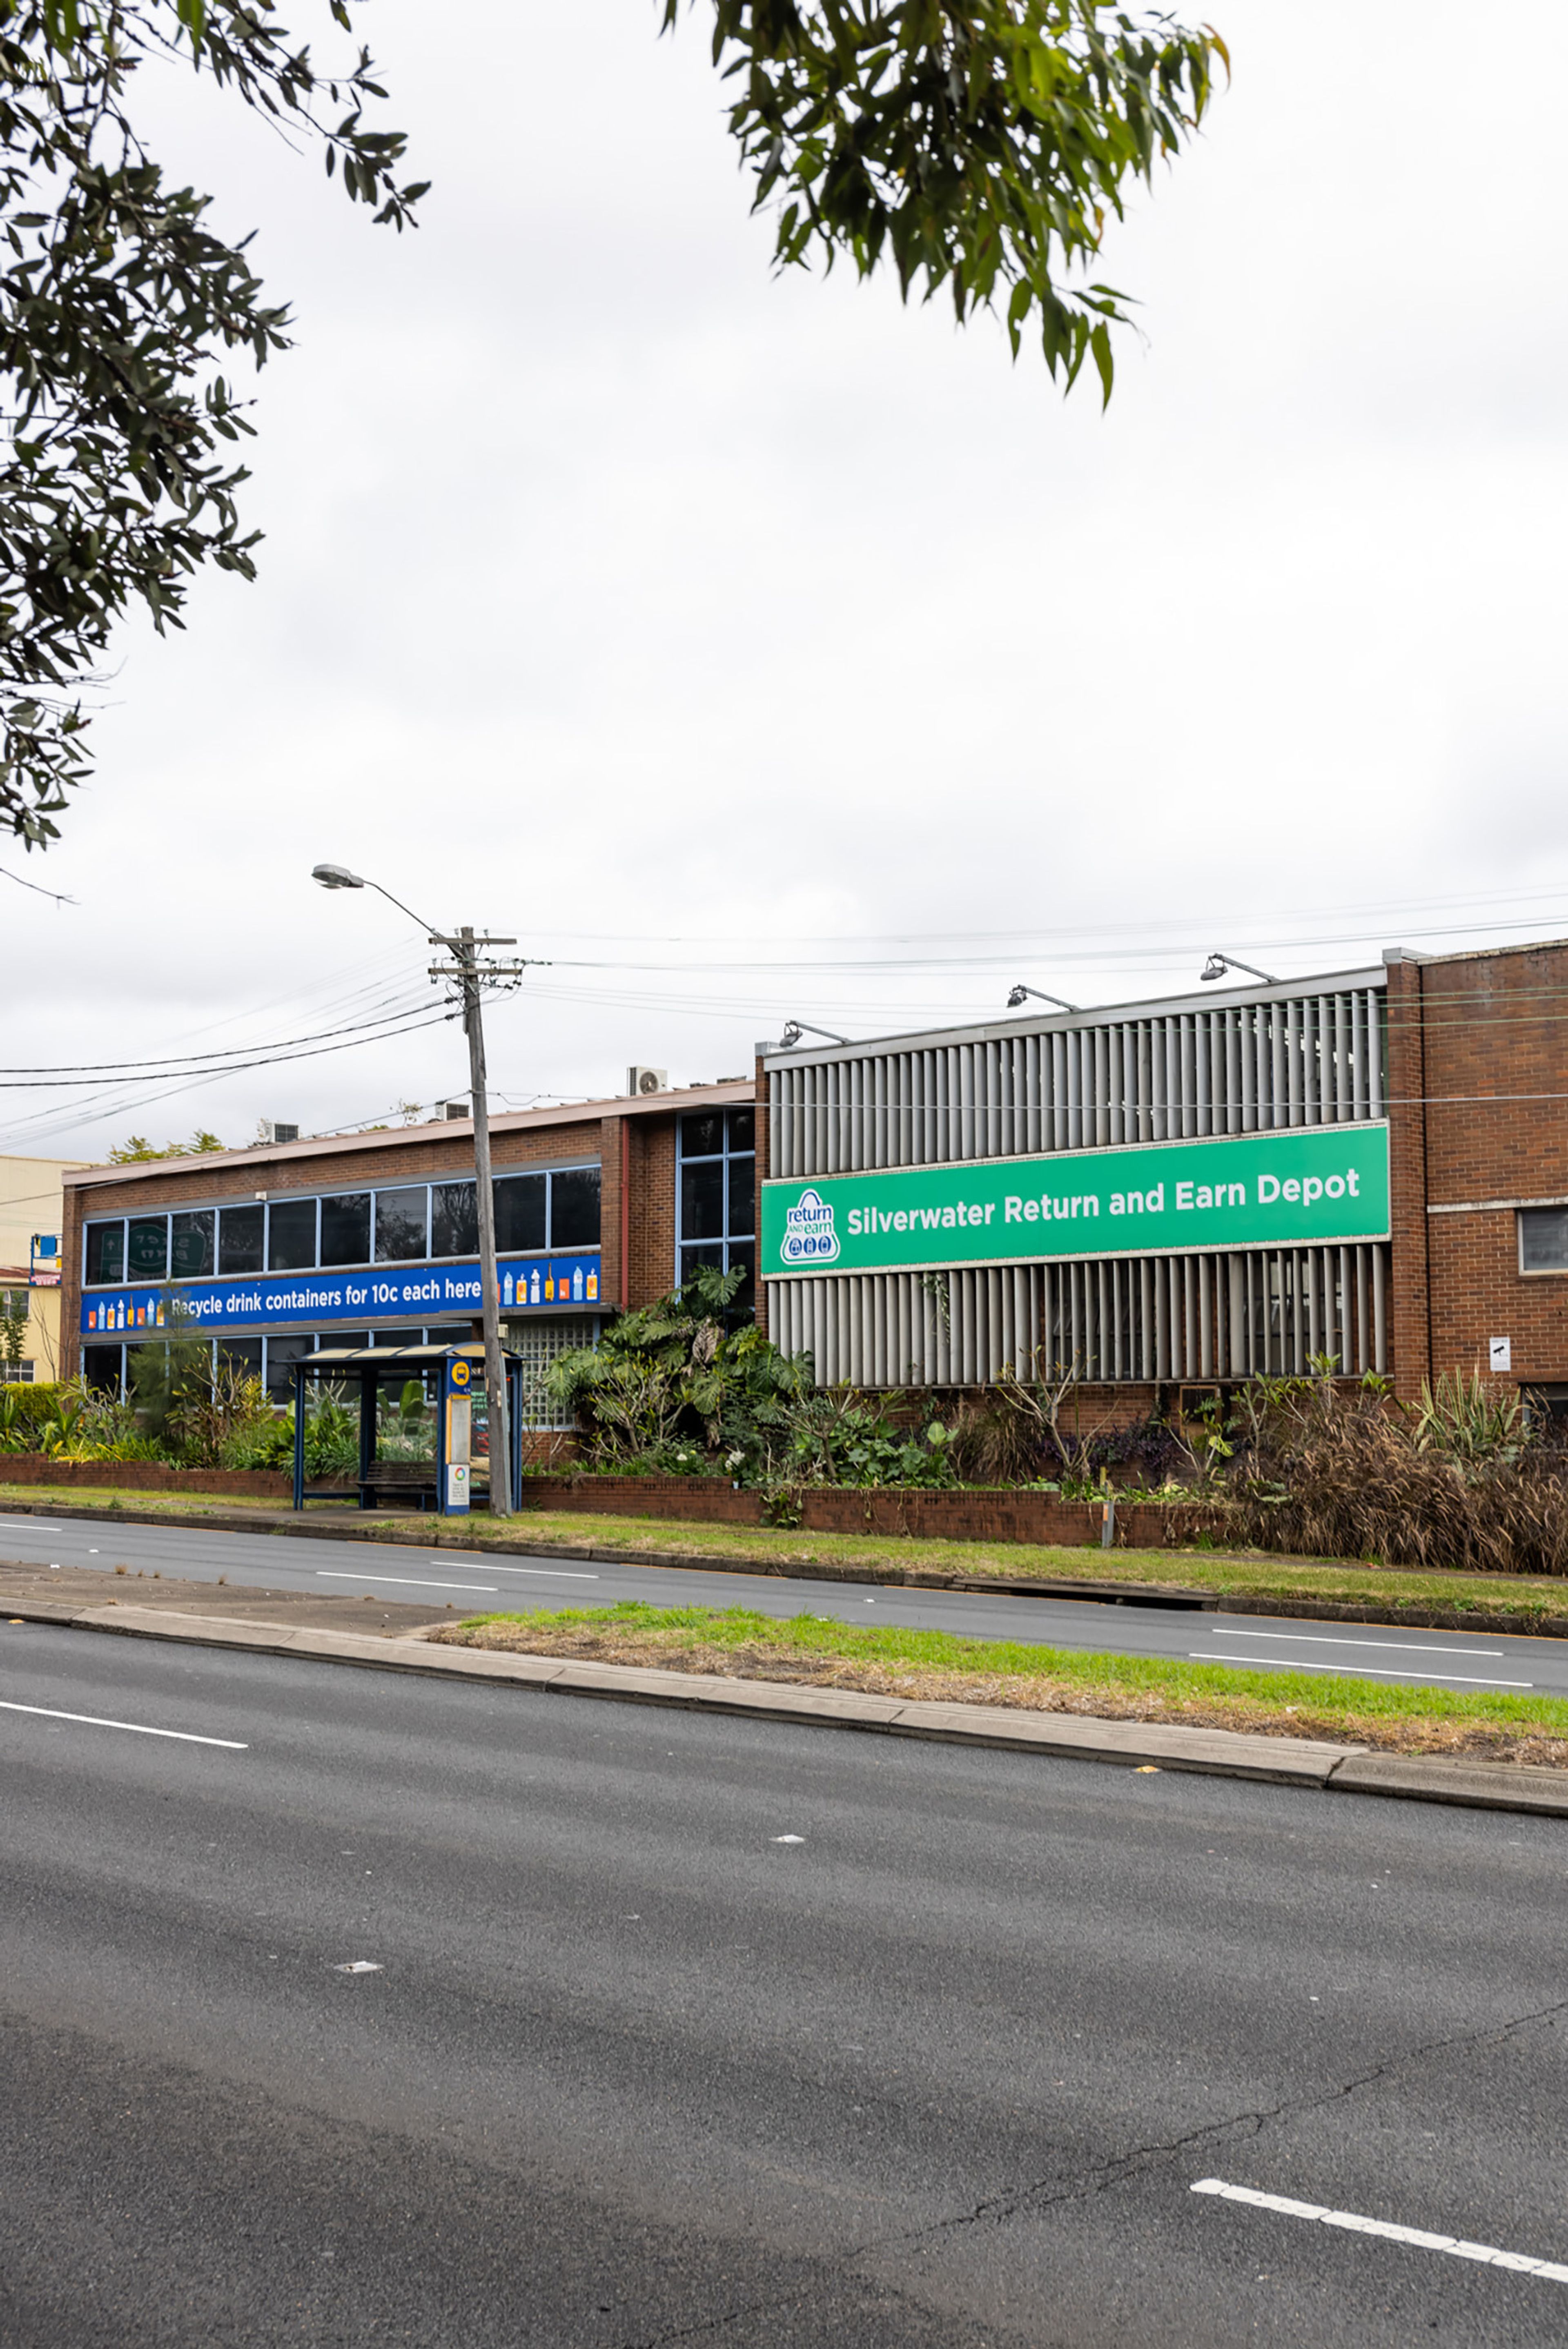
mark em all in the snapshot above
pixel 1001 1515
pixel 146 1476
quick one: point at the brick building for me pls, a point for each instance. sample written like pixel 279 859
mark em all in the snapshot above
pixel 372 1237
pixel 1370 1166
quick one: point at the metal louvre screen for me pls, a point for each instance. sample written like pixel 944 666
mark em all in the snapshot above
pixel 1228 1315
pixel 1312 1059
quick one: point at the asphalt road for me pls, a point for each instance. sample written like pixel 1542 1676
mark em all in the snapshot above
pixel 473 1582
pixel 726 2033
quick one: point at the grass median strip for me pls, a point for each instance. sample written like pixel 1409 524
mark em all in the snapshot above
pixel 816 1651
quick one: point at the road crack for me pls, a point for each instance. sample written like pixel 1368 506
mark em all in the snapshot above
pixel 1115 2169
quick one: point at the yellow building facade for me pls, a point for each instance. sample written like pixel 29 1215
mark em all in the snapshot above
pixel 31 1205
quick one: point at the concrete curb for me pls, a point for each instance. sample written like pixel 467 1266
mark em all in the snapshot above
pixel 1214 1753
pixel 1289 1606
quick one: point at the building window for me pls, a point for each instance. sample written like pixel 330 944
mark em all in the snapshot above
pixel 1543 1240
pixel 195 1230
pixel 239 1239
pixel 15 1375
pixel 402 1225
pixel 105 1254
pixel 715 1193
pixel 291 1236
pixel 345 1229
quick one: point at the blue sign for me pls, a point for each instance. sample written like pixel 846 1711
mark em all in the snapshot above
pixel 309 1300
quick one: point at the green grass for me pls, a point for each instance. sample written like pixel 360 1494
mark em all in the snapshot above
pixel 1230 1573
pixel 1356 1711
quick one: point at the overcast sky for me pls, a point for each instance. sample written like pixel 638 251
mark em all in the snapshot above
pixel 682 621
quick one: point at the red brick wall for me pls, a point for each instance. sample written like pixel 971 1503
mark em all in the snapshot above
pixel 1490 1050
pixel 941 1517
pixel 147 1476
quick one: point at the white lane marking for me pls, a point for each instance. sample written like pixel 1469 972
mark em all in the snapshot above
pixel 359 1966
pixel 1365 1672
pixel 405 1581
pixel 1327 1640
pixel 1486 2254
pixel 29 1526
pixel 97 1721
pixel 548 1573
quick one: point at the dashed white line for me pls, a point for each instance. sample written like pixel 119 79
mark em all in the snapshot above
pixel 549 1574
pixel 1329 1640
pixel 97 1721
pixel 1456 2247
pixel 405 1581
pixel 29 1526
pixel 1363 1671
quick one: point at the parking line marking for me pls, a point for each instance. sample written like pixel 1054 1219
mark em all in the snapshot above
pixel 1329 1640
pixel 97 1721
pixel 405 1581
pixel 1365 1672
pixel 1482 2255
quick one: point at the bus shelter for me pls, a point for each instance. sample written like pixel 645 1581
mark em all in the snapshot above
pixel 408 1424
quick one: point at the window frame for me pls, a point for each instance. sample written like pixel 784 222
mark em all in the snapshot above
pixel 724 1158
pixel 1538 1271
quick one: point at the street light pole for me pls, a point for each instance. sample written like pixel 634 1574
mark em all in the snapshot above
pixel 465 969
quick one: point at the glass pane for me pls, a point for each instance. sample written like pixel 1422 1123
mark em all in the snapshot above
pixel 105 1254
pixel 575 1208
pixel 454 1219
pixel 100 1368
pixel 702 1201
pixel 400 1226
pixel 239 1239
pixel 405 1421
pixel 291 1236
pixel 241 1355
pixel 1543 1240
pixel 742 1196
pixel 148 1253
pixel 744 1259
pixel 701 1137
pixel 690 1258
pixel 455 1333
pixel 520 1213
pixel 281 1353
pixel 345 1229
pixel 742 1129
pixel 194 1229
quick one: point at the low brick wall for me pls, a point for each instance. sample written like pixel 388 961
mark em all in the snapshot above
pixel 146 1476
pixel 997 1516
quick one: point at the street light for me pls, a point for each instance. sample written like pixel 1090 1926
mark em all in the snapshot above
pixel 462 946
pixel 1218 964
pixel 1019 992
pixel 795 1029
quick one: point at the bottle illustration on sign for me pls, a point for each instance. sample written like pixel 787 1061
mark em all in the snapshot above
pixel 506 1291
pixel 119 1318
pixel 534 1292
pixel 577 1284
pixel 593 1287
pixel 549 1287
pixel 161 1313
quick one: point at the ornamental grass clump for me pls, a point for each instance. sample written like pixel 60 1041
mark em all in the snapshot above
pixel 1462 1479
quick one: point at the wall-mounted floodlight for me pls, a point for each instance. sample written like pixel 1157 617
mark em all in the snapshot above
pixel 1020 992
pixel 1218 964
pixel 795 1029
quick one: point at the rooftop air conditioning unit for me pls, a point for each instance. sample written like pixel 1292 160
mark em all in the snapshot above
pixel 451 1110
pixel 647 1081
pixel 271 1130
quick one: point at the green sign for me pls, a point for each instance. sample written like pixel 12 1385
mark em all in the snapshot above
pixel 1292 1189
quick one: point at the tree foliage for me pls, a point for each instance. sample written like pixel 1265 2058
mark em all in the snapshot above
pixel 117 302
pixel 979 146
